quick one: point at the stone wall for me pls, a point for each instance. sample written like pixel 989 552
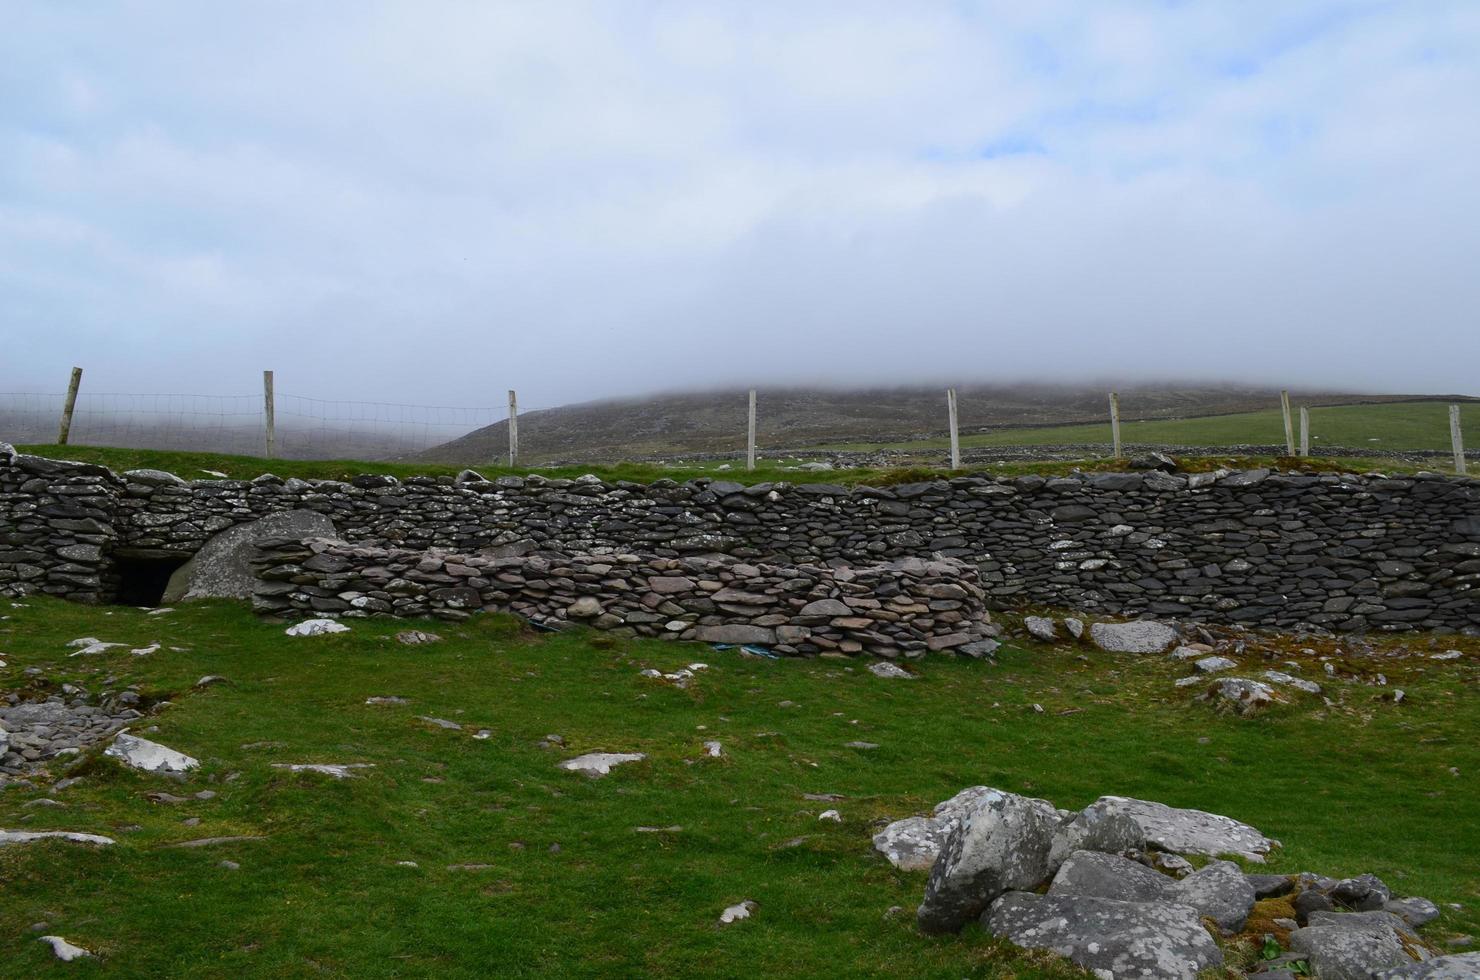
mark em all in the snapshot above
pixel 901 608
pixel 1343 551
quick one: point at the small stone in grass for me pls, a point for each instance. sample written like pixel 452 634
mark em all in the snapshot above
pixel 861 745
pixel 831 815
pixel 229 865
pixel 737 912
pixel 316 627
pixel 416 637
pixel 63 950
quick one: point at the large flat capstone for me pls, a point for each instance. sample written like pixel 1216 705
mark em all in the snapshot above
pixel 222 568
pixel 1187 831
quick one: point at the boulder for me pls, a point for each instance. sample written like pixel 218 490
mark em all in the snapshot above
pixel 1219 891
pixel 1187 831
pixel 140 753
pixel 1002 844
pixel 1458 966
pixel 1112 938
pixel 1040 628
pixel 913 844
pixel 892 671
pixel 1414 911
pixel 1364 893
pixel 1096 875
pixel 1095 830
pixel 1243 695
pixel 222 568
pixel 1355 945
pixel 1136 637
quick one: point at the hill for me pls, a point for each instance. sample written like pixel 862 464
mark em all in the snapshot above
pixel 798 418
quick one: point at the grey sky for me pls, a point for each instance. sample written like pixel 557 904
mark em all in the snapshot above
pixel 432 202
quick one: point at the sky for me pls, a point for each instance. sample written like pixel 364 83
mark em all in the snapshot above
pixel 432 202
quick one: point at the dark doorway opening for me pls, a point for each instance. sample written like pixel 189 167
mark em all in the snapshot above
pixel 141 581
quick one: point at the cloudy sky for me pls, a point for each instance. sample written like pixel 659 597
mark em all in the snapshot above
pixel 434 201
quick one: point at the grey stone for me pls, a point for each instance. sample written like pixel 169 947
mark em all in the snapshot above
pixel 1414 911
pixel 222 568
pixel 1186 831
pixel 1111 938
pixel 1220 892
pixel 1040 628
pixel 1364 893
pixel 594 765
pixel 826 607
pixel 1134 637
pixel 1001 844
pixel 736 634
pixel 1456 966
pixel 1348 946
pixel 140 753
pixel 1098 875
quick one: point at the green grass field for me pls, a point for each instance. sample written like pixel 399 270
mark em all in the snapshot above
pixel 524 870
pixel 1396 426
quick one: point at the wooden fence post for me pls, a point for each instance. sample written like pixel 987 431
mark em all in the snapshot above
pixel 1115 422
pixel 955 434
pixel 513 429
pixel 1304 431
pixel 69 406
pixel 1457 439
pixel 269 413
pixel 1289 427
pixel 750 435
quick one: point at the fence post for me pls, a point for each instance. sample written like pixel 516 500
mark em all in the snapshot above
pixel 1115 422
pixel 750 435
pixel 1457 439
pixel 513 429
pixel 1289 427
pixel 69 406
pixel 1304 431
pixel 955 434
pixel 269 413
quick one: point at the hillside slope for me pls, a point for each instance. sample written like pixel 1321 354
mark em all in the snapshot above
pixel 795 418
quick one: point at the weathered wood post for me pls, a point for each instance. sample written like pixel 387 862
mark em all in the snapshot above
pixel 269 413
pixel 1289 427
pixel 69 406
pixel 1457 439
pixel 513 429
pixel 750 435
pixel 1115 422
pixel 1304 431
pixel 955 434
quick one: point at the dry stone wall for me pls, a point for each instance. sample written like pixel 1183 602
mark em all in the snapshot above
pixel 1344 551
pixel 900 608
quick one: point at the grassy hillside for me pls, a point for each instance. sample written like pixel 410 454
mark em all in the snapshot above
pixel 1394 426
pixel 524 870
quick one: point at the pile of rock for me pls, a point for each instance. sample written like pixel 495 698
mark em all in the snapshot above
pixel 902 608
pixel 1108 887
pixel 34 732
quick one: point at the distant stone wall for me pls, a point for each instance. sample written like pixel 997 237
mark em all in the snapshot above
pixel 1342 551
pixel 900 608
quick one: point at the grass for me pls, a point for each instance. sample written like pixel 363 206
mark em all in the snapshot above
pixel 196 465
pixel 1395 426
pixel 1364 785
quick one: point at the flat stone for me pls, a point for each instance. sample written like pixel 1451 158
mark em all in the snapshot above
pixel 737 912
pixel 1040 628
pixel 140 753
pixel 63 950
pixel 222 568
pixel 1344 946
pixel 1185 831
pixel 29 836
pixel 884 668
pixel 343 770
pixel 1111 938
pixel 594 765
pixel 736 634
pixel 1134 637
pixel 1456 966
pixel 417 637
pixel 317 627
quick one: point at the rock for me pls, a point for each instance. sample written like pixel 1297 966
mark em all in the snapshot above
pixel 1456 966
pixel 1098 875
pixel 832 815
pixel 1219 892
pixel 416 637
pixel 1270 886
pixel 714 749
pixel 140 753
pixel 27 836
pixel 344 770
pixel 1364 893
pixel 222 568
pixel 387 699
pixel 826 607
pixel 1414 911
pixel 63 950
pixel 317 627
pixel 440 723
pixel 737 912
pixel 911 844
pixel 1187 831
pixel 594 765
pixel 1353 945
pixel 1075 627
pixel 885 668
pixel 1001 844
pixel 586 607
pixel 1211 665
pixel 1288 680
pixel 736 634
pixel 1095 830
pixel 1109 937
pixel 1135 637
pixel 1245 696
pixel 1310 901
pixel 1040 628
pixel 211 679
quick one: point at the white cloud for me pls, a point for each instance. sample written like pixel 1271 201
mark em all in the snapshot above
pixel 582 199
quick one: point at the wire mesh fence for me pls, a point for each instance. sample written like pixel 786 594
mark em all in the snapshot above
pixel 306 428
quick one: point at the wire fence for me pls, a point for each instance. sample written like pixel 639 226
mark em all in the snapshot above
pixel 305 427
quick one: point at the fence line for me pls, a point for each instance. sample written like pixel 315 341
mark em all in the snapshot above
pixel 306 427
